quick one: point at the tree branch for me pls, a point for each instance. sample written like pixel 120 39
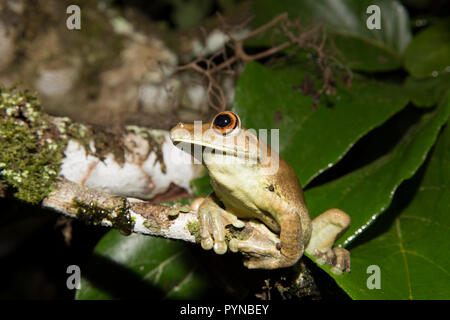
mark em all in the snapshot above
pixel 95 175
pixel 126 214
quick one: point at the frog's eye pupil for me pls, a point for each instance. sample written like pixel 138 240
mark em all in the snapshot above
pixel 225 122
pixel 222 121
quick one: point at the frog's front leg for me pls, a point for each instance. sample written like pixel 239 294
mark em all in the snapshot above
pixel 212 221
pixel 326 229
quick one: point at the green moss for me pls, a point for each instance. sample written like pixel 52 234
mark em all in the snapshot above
pixel 32 146
pixel 176 209
pixel 119 216
pixel 152 225
pixel 232 232
pixel 30 153
pixel 194 229
pixel 237 233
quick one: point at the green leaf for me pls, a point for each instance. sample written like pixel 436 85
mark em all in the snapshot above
pixel 409 242
pixel 428 54
pixel 142 266
pixel 368 191
pixel 201 186
pixel 427 92
pixel 363 49
pixel 310 140
pixel 187 14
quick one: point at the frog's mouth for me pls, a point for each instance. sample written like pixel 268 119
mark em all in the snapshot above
pixel 235 150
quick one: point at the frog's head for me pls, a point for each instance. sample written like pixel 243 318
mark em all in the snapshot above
pixel 224 136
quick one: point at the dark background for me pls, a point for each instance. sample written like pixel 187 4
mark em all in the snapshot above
pixel 34 253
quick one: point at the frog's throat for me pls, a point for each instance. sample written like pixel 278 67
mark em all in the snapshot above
pixel 234 151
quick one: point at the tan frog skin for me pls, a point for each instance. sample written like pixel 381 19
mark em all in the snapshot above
pixel 249 190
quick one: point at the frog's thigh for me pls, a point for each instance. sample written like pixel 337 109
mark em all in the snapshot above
pixel 326 229
pixel 213 220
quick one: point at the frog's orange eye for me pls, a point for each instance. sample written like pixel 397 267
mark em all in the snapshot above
pixel 225 122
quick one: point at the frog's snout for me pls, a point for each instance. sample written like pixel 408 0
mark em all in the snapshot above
pixel 178 132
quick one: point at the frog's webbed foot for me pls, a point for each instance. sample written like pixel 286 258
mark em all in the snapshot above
pixel 338 257
pixel 212 221
pixel 261 249
pixel 326 229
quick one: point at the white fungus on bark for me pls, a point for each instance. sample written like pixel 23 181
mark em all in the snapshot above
pixel 141 175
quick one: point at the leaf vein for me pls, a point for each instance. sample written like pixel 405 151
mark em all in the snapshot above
pixel 183 281
pixel 159 269
pixel 405 261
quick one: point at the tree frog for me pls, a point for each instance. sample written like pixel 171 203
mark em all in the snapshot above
pixel 252 182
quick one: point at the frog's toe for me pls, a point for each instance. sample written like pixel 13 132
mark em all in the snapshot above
pixel 339 258
pixel 233 245
pixel 251 248
pixel 220 247
pixel 238 223
pixel 324 257
pixel 341 261
pixel 212 231
pixel 207 243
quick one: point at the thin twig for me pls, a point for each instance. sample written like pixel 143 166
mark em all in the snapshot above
pixel 291 33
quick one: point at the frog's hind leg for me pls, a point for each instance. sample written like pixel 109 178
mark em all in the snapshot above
pixel 272 251
pixel 260 248
pixel 212 221
pixel 326 229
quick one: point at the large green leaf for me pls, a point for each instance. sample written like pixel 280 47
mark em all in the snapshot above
pixel 139 266
pixel 427 92
pixel 410 242
pixel 368 191
pixel 313 139
pixel 365 192
pixel 429 52
pixel 364 49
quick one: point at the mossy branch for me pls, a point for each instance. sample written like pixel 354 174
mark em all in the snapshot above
pixel 57 163
pixel 125 214
pixel 84 173
pixel 128 215
pixel 37 148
